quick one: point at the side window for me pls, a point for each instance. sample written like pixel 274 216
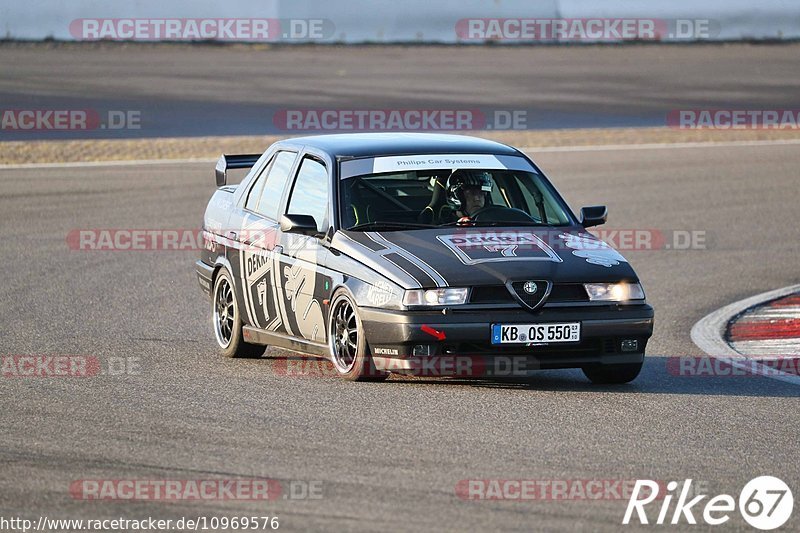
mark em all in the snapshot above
pixel 552 213
pixel 255 190
pixel 277 177
pixel 497 195
pixel 310 192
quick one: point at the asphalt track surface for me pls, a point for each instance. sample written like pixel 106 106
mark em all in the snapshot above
pixel 184 90
pixel 388 455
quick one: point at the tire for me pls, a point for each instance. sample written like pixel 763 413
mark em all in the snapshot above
pixel 612 374
pixel 226 322
pixel 349 351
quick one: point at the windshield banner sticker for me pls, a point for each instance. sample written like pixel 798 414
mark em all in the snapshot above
pixel 485 247
pixel 423 162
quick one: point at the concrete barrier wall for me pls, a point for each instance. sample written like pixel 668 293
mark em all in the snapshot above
pixel 356 21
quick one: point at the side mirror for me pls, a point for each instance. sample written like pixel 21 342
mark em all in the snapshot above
pixel 593 215
pixel 301 224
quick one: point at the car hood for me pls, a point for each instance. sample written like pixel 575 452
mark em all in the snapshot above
pixel 466 257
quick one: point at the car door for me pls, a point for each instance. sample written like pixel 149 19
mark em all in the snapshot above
pixel 304 284
pixel 258 243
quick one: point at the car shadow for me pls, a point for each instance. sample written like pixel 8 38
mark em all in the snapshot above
pixel 659 375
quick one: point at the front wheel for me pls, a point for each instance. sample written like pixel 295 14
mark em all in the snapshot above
pixel 612 374
pixel 347 343
pixel 226 320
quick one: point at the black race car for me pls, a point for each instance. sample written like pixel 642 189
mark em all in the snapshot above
pixel 411 252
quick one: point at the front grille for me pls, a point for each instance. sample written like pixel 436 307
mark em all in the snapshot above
pixel 609 345
pixel 491 294
pixel 568 292
pixel 499 294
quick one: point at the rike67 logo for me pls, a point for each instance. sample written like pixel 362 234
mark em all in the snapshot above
pixel 765 503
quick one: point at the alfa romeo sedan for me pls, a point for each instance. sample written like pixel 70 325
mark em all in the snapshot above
pixel 416 254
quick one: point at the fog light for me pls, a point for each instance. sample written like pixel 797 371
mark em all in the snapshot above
pixel 630 345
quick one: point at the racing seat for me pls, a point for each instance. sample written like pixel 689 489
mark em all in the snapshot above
pixel 430 214
pixel 357 212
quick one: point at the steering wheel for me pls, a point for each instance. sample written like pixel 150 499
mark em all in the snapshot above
pixel 501 214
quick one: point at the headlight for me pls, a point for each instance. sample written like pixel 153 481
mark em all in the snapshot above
pixel 614 292
pixel 435 297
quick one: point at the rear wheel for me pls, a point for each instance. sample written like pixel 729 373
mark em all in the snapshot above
pixel 226 320
pixel 612 374
pixel 348 345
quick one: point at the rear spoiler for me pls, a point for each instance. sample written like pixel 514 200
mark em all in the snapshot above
pixel 227 162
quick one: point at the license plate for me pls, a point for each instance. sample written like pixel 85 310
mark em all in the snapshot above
pixel 536 333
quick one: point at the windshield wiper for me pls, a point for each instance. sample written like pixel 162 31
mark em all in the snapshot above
pixel 491 223
pixel 387 224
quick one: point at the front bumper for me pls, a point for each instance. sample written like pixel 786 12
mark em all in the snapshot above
pixel 401 344
pixel 205 276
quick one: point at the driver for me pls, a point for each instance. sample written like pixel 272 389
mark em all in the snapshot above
pixel 466 192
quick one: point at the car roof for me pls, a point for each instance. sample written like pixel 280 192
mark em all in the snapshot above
pixel 354 145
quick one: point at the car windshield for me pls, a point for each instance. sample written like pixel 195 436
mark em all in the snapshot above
pixel 433 198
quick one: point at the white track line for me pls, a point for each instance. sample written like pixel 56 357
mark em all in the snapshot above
pixel 708 334
pixel 536 149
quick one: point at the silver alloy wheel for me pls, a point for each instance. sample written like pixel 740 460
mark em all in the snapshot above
pixel 343 335
pixel 223 313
